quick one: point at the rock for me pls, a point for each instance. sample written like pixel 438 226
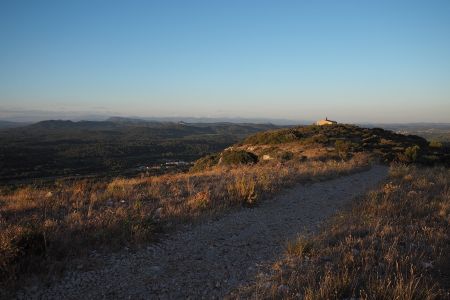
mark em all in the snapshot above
pixel 267 157
pixel 158 212
pixel 412 193
pixel 325 258
pixel 266 285
pixel 427 265
pixel 155 268
pixel 284 289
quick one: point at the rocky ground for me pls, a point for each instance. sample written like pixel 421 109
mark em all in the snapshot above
pixel 211 259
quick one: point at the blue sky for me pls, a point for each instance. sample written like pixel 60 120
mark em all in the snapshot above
pixel 354 61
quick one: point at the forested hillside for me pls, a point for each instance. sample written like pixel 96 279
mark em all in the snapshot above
pixel 63 148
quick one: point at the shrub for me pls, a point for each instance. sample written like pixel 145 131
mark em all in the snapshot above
pixel 21 249
pixel 287 155
pixel 205 163
pixel 300 247
pixel 274 137
pixel 244 190
pixel 302 158
pixel 342 148
pixel 240 157
pixel 412 153
pixel 435 144
pixel 199 200
pixel 320 139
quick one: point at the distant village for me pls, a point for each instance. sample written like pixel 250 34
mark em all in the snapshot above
pixel 164 166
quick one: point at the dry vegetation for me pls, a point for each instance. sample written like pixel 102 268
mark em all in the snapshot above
pixel 385 239
pixel 393 244
pixel 346 139
pixel 40 228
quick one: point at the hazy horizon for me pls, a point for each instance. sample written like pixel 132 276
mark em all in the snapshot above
pixel 353 61
pixel 37 116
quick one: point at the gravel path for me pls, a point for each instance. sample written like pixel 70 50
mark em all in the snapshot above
pixel 212 258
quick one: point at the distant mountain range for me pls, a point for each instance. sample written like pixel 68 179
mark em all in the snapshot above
pixel 190 120
pixel 9 124
pixel 34 116
pixel 116 120
pixel 431 131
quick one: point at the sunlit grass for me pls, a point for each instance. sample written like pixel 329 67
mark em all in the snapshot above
pixel 393 244
pixel 40 227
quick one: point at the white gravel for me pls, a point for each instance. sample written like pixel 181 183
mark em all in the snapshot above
pixel 210 259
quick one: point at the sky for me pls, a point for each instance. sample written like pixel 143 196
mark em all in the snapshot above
pixel 353 61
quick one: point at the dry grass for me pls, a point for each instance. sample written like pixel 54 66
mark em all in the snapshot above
pixel 298 149
pixel 393 244
pixel 40 228
pixel 300 247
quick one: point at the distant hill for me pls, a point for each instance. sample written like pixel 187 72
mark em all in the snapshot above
pixel 430 131
pixel 8 124
pixel 141 127
pixel 114 147
pixel 122 120
pixel 238 120
pixel 33 116
pixel 67 124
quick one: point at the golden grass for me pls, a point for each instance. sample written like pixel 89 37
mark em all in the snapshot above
pixel 309 151
pixel 393 244
pixel 42 227
pixel 300 247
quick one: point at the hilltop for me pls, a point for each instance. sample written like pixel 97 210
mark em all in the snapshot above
pixel 338 141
